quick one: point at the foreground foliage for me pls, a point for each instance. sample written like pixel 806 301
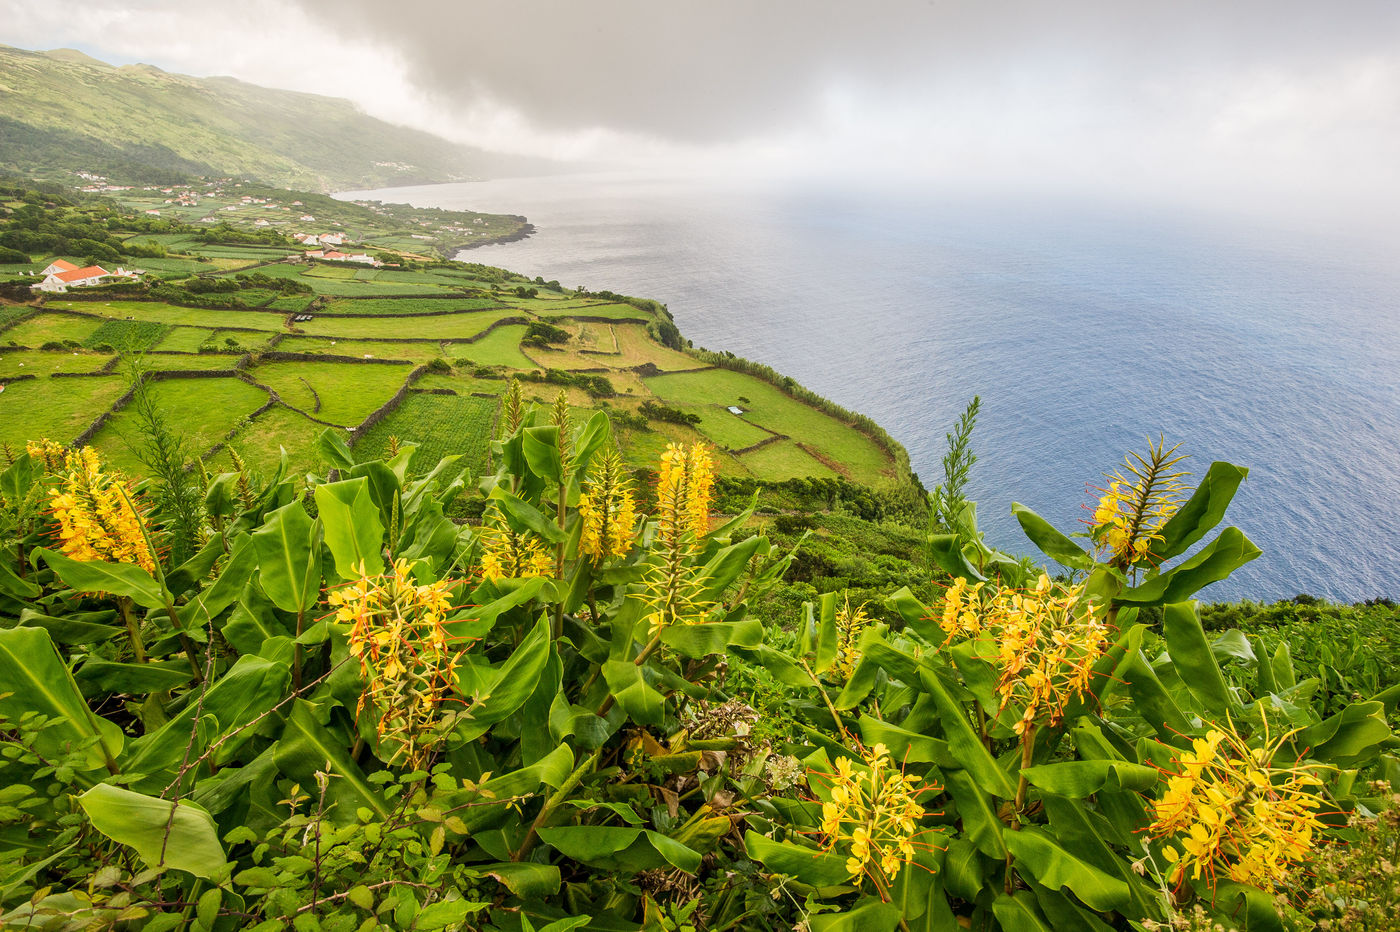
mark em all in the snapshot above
pixel 347 711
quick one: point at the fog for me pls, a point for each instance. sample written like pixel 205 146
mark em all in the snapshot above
pixel 1250 105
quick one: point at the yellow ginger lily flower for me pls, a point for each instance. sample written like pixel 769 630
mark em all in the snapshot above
pixel 872 816
pixel 97 520
pixel 508 553
pixel 608 511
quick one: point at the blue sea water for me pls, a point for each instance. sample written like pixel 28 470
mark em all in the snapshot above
pixel 1084 331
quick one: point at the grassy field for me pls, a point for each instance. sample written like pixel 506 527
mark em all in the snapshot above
pixel 500 347
pixel 262 441
pixel 184 339
pixel 126 336
pixel 855 454
pixel 200 361
pixel 451 327
pixel 174 314
pixel 403 306
pixel 59 409
pixel 204 410
pixel 45 328
pixel 348 392
pixel 421 352
pixel 43 362
pixel 441 424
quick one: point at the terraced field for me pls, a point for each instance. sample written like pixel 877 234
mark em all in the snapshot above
pixel 468 344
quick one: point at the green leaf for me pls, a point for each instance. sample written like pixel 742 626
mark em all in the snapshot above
pixel 309 745
pixel 1019 913
pixel 289 558
pixel 334 450
pixel 1080 779
pixel 115 578
pixel 541 448
pixel 1202 511
pixel 1214 562
pixel 946 551
pixel 522 514
pixel 134 678
pixel 717 637
pixel 1193 658
pixel 1151 699
pixel 908 746
pixel 164 834
pixel 225 590
pixel 611 847
pixel 511 684
pixel 353 531
pixel 964 743
pixel 817 868
pixel 1051 542
pixel 824 648
pixel 12 585
pixel 869 915
pixel 1056 868
pixel 727 565
pixel 33 678
pixel 979 813
pixel 79 628
pixel 634 695
pixel 525 879
pixel 1350 738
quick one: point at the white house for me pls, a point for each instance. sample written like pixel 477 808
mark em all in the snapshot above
pixel 73 278
pixel 59 265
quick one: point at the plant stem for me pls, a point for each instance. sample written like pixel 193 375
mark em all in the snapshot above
pixel 296 650
pixel 191 651
pixel 827 699
pixel 1027 751
pixel 133 630
pixel 641 659
pixel 565 788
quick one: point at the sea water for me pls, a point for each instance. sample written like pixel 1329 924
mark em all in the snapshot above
pixel 1084 331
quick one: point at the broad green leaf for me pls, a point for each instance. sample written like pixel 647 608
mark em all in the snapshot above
pixel 909 747
pixel 1056 868
pixel 510 685
pixel 611 847
pixel 524 515
pixel 12 585
pixel 1214 562
pixel 165 834
pixel 353 531
pixel 1019 913
pixel 289 558
pixel 541 448
pixel 1074 830
pixel 133 678
pixel 809 865
pixel 1251 908
pixel 1352 737
pixel 1202 511
pixel 727 565
pixel 716 637
pixel 1151 699
pixel 225 590
pixel 253 621
pixel 869 915
pixel 1079 779
pixel 916 615
pixel 495 800
pixel 826 639
pixel 33 678
pixel 946 551
pixel 308 746
pixel 964 743
pixel 1193 659
pixel 115 578
pixel 979 813
pixel 1051 542
pixel 78 628
pixel 334 450
pixel 525 879
pixel 634 695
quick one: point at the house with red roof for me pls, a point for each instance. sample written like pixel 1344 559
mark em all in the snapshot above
pixel 59 265
pixel 73 277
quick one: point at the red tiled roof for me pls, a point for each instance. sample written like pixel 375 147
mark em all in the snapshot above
pixel 77 275
pixel 63 265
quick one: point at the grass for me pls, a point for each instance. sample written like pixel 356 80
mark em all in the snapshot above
pixel 59 410
pixel 783 460
pixel 127 335
pixel 401 306
pixel 349 392
pixel 184 339
pixel 442 424
pixel 359 348
pixel 292 304
pixel 500 347
pixel 204 410
pixel 453 327
pixel 609 311
pixel 43 362
pixel 280 428
pixel 857 455
pixel 175 314
pixel 45 328
pixel 201 361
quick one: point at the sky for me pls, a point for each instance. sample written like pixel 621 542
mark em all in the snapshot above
pixel 1247 102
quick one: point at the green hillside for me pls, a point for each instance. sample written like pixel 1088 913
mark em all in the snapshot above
pixel 67 112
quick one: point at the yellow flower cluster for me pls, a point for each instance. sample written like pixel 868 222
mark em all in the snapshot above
pixel 1047 641
pixel 1230 809
pixel 405 655
pixel 607 510
pixel 1131 512
pixel 52 454
pixel 685 485
pixel 850 623
pixel 512 554
pixel 873 815
pixel 97 520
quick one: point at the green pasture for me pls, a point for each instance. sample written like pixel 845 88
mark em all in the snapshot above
pixel 609 311
pixel 442 425
pixel 184 339
pixel 421 352
pixel 500 347
pixel 292 304
pixel 175 314
pixel 769 407
pixel 447 327
pixel 784 460
pixel 59 409
pixel 204 410
pixel 262 441
pixel 190 361
pixel 44 328
pixel 42 362
pixel 407 306
pixel 462 382
pixel 348 392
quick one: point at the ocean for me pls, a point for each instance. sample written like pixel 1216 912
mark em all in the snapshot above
pixel 1084 330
